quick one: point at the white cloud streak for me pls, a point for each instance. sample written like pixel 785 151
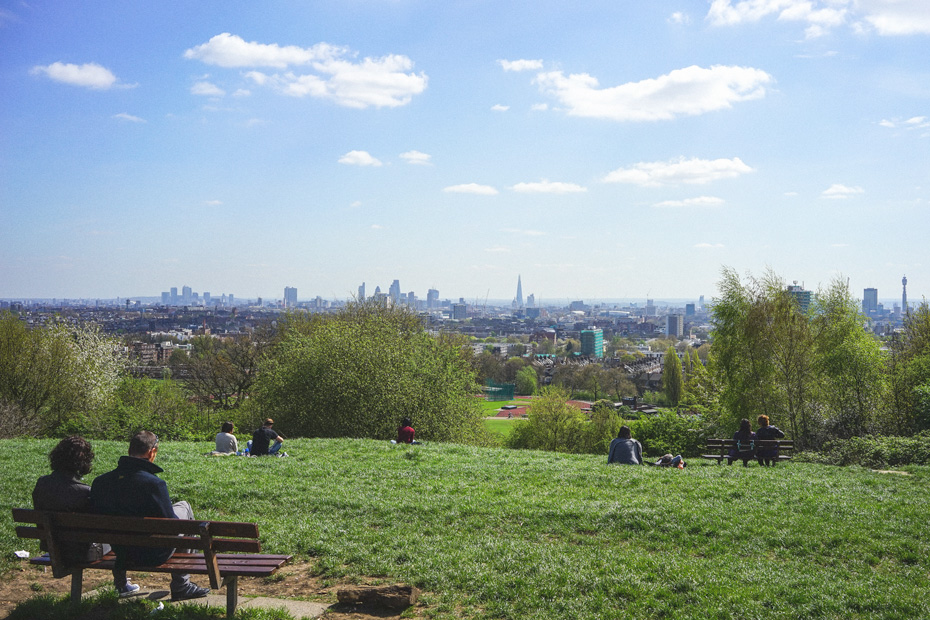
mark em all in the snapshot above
pixel 417 158
pixel 838 191
pixel 500 108
pixel 123 116
pixel 207 89
pixel 700 201
pixel 327 72
pixel 708 246
pixel 690 171
pixel 90 75
pixel 359 158
pixel 548 187
pixel 521 65
pixel 471 188
pixel 683 92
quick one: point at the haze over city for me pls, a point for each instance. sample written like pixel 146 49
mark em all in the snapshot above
pixel 607 150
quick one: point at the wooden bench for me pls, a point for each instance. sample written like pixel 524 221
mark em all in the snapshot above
pixel 719 449
pixel 228 550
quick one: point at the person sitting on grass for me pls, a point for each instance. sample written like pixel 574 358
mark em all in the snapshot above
pixel 226 442
pixel 405 432
pixel 767 456
pixel 63 491
pixel 745 448
pixel 261 441
pixel 624 449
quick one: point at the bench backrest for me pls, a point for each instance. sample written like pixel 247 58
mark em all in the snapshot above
pixel 784 444
pixel 211 537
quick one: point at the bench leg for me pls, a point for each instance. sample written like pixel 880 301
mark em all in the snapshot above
pixel 232 594
pixel 77 584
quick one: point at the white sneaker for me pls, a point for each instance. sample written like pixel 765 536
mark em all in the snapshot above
pixel 128 590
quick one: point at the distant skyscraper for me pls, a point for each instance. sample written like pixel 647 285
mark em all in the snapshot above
pixel 531 301
pixel 174 295
pixel 904 308
pixel 674 325
pixel 207 298
pixel 592 342
pixel 519 292
pixel 689 309
pixel 432 299
pixel 394 291
pixel 165 298
pixel 411 299
pixel 802 297
pixel 361 292
pixel 870 301
pixel 290 297
pixel 701 302
pixel 650 308
pixel 459 311
pixel 186 294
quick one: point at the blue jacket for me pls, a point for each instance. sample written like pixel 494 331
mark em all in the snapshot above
pixel 133 490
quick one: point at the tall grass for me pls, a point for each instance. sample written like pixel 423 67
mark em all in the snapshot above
pixel 495 533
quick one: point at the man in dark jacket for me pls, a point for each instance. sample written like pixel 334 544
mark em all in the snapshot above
pixel 261 440
pixel 133 490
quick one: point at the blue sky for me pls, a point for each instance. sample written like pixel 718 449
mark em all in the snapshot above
pixel 598 149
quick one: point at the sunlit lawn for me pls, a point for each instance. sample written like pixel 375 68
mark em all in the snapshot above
pixel 496 533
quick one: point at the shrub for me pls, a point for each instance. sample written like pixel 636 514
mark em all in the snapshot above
pixel 670 432
pixel 874 451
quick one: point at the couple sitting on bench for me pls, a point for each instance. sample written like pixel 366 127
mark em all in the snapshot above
pixel 745 448
pixel 132 489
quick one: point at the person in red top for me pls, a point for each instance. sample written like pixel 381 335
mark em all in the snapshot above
pixel 405 432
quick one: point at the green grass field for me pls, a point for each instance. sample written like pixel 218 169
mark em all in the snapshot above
pixel 495 533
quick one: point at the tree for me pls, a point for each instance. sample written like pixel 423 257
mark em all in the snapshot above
pixel 671 376
pixel 358 372
pixel 220 373
pixel 49 374
pixel 552 424
pixel 526 381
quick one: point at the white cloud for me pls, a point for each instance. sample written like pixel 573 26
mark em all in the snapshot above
pixel 499 250
pixel 416 157
pixel 355 204
pixel 90 75
pixel 242 92
pixel 359 158
pixel 539 107
pixel 376 226
pixel 521 65
pixel 231 51
pixel 213 203
pixel 692 171
pixel 910 124
pixel 548 187
pixel 839 192
pixel 500 108
pixel 886 17
pixel 329 72
pixel 683 92
pixel 897 17
pixel 129 117
pixel 679 18
pixel 471 188
pixel 700 201
pixel 207 89
pixel 706 245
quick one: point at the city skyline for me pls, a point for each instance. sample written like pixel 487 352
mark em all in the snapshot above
pixel 627 150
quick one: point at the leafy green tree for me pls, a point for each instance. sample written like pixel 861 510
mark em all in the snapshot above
pixel 48 374
pixel 672 381
pixel 909 371
pixel 358 372
pixel 220 372
pixel 526 381
pixel 552 424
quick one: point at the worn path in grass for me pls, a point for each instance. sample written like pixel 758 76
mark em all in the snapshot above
pixel 495 533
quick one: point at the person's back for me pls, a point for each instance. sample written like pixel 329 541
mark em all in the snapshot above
pixel 767 456
pixel 226 442
pixel 405 432
pixel 625 450
pixel 262 440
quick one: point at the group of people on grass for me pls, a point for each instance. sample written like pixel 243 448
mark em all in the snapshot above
pixel 625 450
pixel 265 441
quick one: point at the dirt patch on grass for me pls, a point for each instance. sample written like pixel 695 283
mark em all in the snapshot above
pixel 296 580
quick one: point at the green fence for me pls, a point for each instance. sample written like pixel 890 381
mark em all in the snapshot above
pixel 498 391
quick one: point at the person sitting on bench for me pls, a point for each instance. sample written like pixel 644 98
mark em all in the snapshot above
pixel 744 447
pixel 768 456
pixel 63 491
pixel 133 490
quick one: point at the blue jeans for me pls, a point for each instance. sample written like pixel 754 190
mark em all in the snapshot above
pixel 272 450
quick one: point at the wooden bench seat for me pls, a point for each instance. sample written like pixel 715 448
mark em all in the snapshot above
pixel 228 550
pixel 719 449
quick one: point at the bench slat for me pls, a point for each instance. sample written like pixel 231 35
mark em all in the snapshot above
pixel 136 540
pixel 192 563
pixel 142 525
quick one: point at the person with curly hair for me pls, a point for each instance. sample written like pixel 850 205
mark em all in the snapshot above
pixel 63 491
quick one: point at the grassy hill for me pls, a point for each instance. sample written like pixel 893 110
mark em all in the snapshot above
pixel 495 533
